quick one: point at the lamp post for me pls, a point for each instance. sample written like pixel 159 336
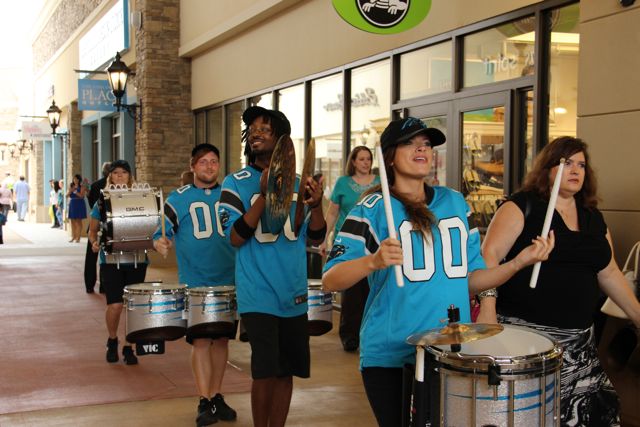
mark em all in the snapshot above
pixel 53 113
pixel 118 75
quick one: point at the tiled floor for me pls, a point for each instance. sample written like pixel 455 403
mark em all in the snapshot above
pixel 52 368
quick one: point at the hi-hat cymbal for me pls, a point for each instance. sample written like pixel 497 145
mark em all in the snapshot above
pixel 280 184
pixel 307 171
pixel 455 333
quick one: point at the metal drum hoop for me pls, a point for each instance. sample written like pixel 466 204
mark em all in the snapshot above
pixel 211 291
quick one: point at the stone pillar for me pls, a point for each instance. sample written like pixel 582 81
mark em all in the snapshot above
pixel 74 162
pixel 163 80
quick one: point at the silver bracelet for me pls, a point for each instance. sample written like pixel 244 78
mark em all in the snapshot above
pixel 493 292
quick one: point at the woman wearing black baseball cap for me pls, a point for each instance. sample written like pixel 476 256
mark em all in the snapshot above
pixel 438 252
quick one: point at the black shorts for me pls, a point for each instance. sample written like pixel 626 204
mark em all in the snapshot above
pixel 279 345
pixel 114 279
pixel 228 333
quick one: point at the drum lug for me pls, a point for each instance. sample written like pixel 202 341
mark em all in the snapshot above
pixel 233 305
pixel 494 376
pixel 150 303
pixel 186 303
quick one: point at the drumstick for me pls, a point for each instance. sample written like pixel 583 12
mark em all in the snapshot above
pixel 162 227
pixel 547 219
pixel 387 211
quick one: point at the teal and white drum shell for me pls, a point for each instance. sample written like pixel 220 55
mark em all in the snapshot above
pixel 320 311
pixel 211 309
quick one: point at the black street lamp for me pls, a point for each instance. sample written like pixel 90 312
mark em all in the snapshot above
pixel 118 74
pixel 53 113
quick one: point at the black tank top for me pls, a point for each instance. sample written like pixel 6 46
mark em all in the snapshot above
pixel 567 292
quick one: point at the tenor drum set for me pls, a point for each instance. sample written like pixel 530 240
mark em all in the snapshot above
pixel 485 375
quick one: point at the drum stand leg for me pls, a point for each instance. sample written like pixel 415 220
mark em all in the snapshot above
pixel 543 400
pixel 511 406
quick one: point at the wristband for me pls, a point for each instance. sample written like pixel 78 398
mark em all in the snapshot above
pixel 243 229
pixel 493 292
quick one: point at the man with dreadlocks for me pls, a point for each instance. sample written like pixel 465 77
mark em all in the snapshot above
pixel 271 269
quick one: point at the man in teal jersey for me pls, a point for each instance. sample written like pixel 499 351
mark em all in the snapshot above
pixel 205 258
pixel 271 269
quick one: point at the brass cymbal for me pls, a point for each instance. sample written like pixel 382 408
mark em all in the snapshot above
pixel 307 171
pixel 455 333
pixel 280 184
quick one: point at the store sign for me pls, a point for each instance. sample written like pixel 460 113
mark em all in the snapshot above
pixel 36 131
pixel 383 16
pixel 360 99
pixel 108 36
pixel 96 95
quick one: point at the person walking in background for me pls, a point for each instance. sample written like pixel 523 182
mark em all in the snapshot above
pixel 21 192
pixel 91 257
pixel 53 202
pixel 5 204
pixel 60 211
pixel 77 207
pixel 346 193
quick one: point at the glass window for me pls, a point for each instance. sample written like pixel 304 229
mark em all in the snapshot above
pixel 200 127
pixel 237 159
pixel 215 137
pixel 370 100
pixel 265 101
pixel 95 145
pixel 426 71
pixel 291 103
pixel 501 53
pixel 483 162
pixel 563 72
pixel 438 174
pixel 326 128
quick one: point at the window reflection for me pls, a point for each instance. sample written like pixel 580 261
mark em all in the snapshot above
pixel 215 137
pixel 237 159
pixel 326 127
pixel 370 99
pixel 291 103
pixel 426 71
pixel 500 53
pixel 563 71
pixel 438 174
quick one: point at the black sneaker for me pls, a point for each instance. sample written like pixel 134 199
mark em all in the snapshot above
pixel 112 350
pixel 128 356
pixel 206 413
pixel 224 411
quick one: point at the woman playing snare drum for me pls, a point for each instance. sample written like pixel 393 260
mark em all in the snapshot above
pixel 115 277
pixel 439 254
pixel 566 296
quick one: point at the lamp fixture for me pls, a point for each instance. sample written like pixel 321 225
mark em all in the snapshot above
pixel 118 74
pixel 53 113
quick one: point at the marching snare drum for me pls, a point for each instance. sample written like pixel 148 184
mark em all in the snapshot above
pixel 509 379
pixel 154 312
pixel 211 310
pixel 320 309
pixel 132 216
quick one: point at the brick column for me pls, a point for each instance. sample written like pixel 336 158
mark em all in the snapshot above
pixel 163 80
pixel 74 163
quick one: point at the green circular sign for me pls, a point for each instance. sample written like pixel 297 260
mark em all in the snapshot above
pixel 383 16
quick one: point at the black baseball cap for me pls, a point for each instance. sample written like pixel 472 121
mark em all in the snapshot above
pixel 120 164
pixel 401 130
pixel 281 121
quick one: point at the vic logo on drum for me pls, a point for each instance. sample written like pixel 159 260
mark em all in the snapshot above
pixel 135 209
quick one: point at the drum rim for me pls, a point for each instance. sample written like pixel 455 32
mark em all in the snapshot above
pixel 211 290
pixel 129 289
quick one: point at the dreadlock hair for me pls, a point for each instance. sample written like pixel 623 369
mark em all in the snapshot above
pixel 417 211
pixel 538 181
pixel 278 130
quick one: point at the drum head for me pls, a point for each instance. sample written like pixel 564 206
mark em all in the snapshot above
pixel 513 341
pixel 153 287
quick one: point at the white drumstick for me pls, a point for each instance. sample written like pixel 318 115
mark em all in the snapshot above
pixel 547 219
pixel 387 211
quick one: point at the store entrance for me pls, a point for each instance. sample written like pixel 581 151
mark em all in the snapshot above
pixel 475 158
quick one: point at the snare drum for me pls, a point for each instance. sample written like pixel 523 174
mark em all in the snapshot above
pixel 132 216
pixel 320 310
pixel 211 310
pixel 509 379
pixel 154 312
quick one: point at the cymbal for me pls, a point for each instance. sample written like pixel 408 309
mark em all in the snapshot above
pixel 455 333
pixel 280 184
pixel 307 171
